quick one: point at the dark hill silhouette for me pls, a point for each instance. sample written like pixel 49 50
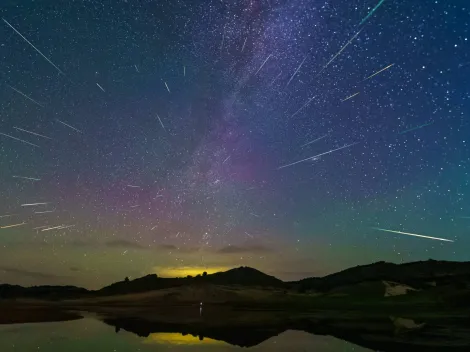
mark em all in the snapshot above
pixel 142 284
pixel 242 276
pixel 42 292
pixel 417 274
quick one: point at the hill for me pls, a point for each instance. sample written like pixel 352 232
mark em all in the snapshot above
pixel 417 274
pixel 42 292
pixel 443 278
pixel 242 276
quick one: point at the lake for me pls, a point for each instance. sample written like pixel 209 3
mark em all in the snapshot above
pixel 90 334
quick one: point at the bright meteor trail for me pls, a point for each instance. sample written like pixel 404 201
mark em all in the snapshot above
pixel 20 140
pixel 27 41
pixel 15 225
pixel 370 13
pixel 161 123
pixel 350 97
pixel 316 156
pixel 412 234
pixel 385 68
pixel 339 52
pixel 263 63
pixel 27 178
pixel 303 145
pixel 34 133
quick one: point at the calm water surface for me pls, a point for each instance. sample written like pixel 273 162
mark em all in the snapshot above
pixel 93 335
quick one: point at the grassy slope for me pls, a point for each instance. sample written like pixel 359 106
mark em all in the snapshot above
pixel 366 297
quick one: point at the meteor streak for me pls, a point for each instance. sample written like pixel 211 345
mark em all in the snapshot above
pixel 168 89
pixel 33 204
pixel 350 97
pixel 263 63
pixel 27 97
pixel 370 13
pixel 44 212
pixel 412 234
pixel 27 41
pixel 17 139
pixel 243 47
pixel 303 106
pixel 66 124
pixel 339 52
pixel 298 68
pixel 15 225
pixel 417 128
pixel 222 44
pixel 275 79
pixel 161 123
pixel 313 141
pixel 53 228
pixel 100 87
pixel 317 156
pixel 385 68
pixel 36 134
pixel 27 178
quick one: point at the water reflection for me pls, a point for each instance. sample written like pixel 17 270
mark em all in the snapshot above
pixel 92 335
pixel 172 338
pixel 380 333
pixel 122 334
pixel 243 336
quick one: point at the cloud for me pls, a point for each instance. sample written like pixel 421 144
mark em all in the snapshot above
pixel 33 274
pixel 169 247
pixel 123 244
pixel 253 248
pixel 80 243
pixel 182 249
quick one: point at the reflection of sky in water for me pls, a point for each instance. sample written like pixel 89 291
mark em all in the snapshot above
pixel 90 335
pixel 168 338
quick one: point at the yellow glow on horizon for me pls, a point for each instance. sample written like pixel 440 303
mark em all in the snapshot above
pixel 183 271
pixel 174 338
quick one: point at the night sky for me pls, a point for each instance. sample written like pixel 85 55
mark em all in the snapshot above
pixel 171 125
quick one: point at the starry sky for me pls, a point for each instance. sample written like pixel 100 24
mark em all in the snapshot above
pixel 175 137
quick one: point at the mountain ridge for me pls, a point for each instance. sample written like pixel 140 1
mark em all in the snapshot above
pixel 417 274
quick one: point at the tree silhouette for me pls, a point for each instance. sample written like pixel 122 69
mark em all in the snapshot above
pixel 204 273
pixel 126 279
